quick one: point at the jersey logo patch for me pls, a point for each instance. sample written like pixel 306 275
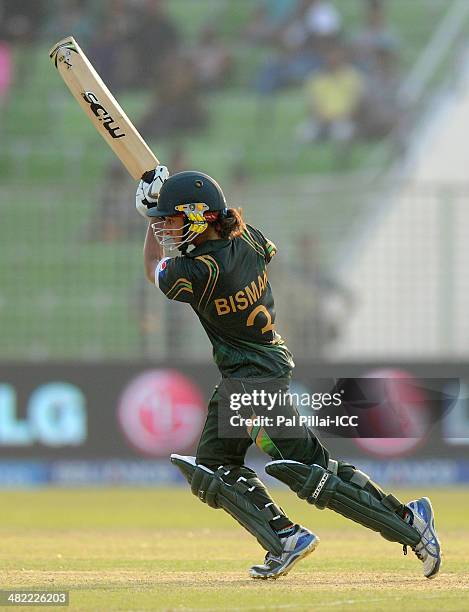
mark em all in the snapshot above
pixel 160 268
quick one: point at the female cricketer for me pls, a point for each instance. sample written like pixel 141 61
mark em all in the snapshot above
pixel 221 273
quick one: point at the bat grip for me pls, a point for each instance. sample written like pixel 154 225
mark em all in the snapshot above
pixel 148 176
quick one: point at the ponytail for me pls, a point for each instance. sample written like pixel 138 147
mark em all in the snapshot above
pixel 232 224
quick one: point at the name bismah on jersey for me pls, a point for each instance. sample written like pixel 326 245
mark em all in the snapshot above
pixel 242 298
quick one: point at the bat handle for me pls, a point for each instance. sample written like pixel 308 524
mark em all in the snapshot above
pixel 148 176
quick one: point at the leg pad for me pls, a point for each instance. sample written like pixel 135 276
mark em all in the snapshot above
pixel 237 499
pixel 324 489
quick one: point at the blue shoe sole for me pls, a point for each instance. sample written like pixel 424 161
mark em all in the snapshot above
pixel 301 554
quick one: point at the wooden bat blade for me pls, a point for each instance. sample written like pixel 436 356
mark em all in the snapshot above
pixel 102 108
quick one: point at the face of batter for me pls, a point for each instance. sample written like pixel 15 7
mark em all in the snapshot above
pixel 169 228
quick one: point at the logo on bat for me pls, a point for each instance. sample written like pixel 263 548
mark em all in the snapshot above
pixel 101 113
pixel 63 53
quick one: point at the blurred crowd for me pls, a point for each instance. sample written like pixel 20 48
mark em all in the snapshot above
pixel 349 78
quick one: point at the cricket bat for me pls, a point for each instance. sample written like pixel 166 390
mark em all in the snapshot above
pixel 102 108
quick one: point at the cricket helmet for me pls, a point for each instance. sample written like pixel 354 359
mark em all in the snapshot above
pixel 194 195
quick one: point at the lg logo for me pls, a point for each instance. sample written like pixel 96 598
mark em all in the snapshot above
pixel 55 416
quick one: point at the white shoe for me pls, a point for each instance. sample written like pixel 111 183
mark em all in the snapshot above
pixel 428 550
pixel 297 546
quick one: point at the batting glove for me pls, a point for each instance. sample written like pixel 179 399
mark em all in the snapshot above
pixel 149 188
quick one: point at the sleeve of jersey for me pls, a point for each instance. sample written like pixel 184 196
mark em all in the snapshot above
pixel 175 277
pixel 268 246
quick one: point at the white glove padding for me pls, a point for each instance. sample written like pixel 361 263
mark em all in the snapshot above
pixel 149 188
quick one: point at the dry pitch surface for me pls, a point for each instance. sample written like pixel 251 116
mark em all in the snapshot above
pixel 161 549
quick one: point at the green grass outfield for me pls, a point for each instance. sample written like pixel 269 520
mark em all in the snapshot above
pixel 161 549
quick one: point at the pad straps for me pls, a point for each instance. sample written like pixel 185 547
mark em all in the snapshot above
pixel 245 499
pixel 270 510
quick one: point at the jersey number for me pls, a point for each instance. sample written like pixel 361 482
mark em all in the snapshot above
pixel 269 326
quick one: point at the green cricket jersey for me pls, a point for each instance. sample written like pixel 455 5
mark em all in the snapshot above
pixel 225 282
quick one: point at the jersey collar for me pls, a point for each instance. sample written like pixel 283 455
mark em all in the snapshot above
pixel 208 247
